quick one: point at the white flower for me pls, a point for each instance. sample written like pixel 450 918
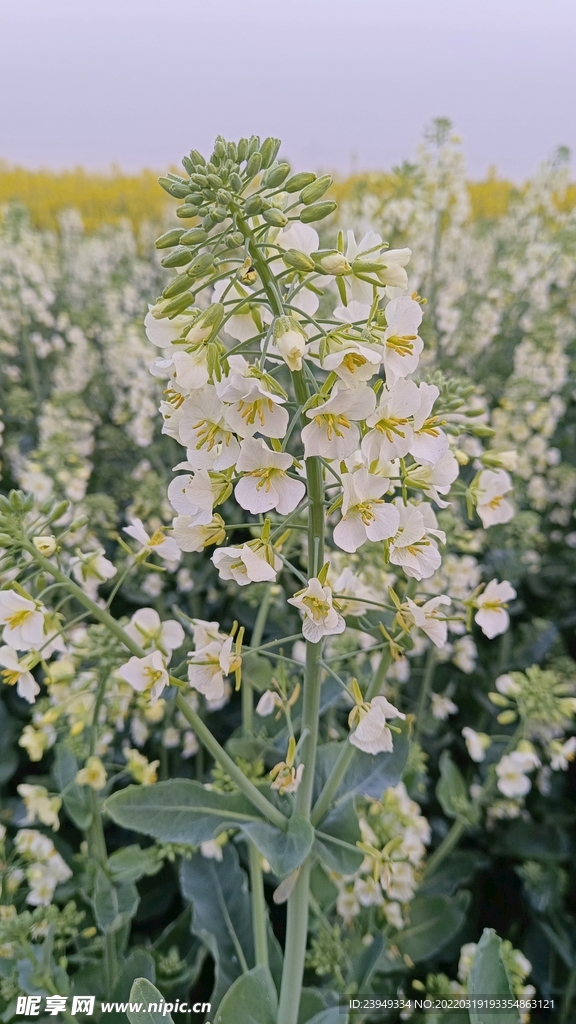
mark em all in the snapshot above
pixel 290 341
pixel 365 516
pixel 302 237
pixel 347 905
pixel 332 433
pixel 492 616
pixel 393 914
pixel 442 707
pixel 367 260
pixel 372 735
pixel 320 616
pixel 147 629
pixel 146 674
pixel 93 774
pixel 562 753
pixel 391 434
pixel 266 484
pixel 465 654
pixel 476 742
pixel 402 344
pixel 39 804
pixel 194 495
pixel 16 673
pixel 412 547
pixel 22 620
pixel 212 849
pixel 425 617
pixel 202 428
pixel 512 781
pixel 248 317
pixel 436 479
pixel 208 665
pixel 491 504
pixel 368 892
pixel 353 361
pixel 158 543
pixel 430 442
pixel 164 332
pixel 507 685
pixel 244 565
pixel 191 536
pixel 397 881
pixel 251 408
pixel 189 369
pixel 269 701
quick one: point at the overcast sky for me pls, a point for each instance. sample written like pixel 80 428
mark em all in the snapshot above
pixel 346 83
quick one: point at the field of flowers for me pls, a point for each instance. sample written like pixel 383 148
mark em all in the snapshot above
pixel 432 852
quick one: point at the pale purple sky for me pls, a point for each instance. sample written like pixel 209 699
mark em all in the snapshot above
pixel 346 83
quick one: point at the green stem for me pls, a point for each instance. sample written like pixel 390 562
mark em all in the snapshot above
pixel 255 640
pixel 568 996
pixel 431 661
pixel 98 851
pixel 202 731
pixel 259 909
pixel 348 752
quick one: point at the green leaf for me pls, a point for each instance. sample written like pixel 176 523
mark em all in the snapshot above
pixel 452 792
pixel 489 977
pixel 254 996
pixel 368 774
pixel 138 965
pixel 458 869
pixel 179 811
pixel 257 671
pixel 78 806
pixel 530 840
pixel 284 851
pixel 145 993
pixel 222 914
pixel 333 1015
pixel 341 824
pixel 434 920
pixel 113 905
pixel 131 863
pixel 64 767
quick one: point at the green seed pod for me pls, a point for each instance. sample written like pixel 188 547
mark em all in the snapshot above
pixel 298 181
pixel 253 166
pixel 275 217
pixel 178 258
pixel 268 151
pixel 318 211
pixel 316 189
pixel 186 211
pixel 58 511
pixel 169 238
pixel 180 283
pixel 253 206
pixel 275 175
pixel 188 165
pixel 194 236
pixel 178 305
pixel 299 260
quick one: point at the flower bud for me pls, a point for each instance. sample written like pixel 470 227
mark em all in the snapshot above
pixel 235 240
pixel 316 189
pixel 79 523
pixel 253 206
pixel 481 431
pixel 299 260
pixel 290 341
pixel 253 166
pixel 299 181
pixel 275 217
pixel 318 211
pixel 201 265
pixel 500 460
pixel 169 238
pixel 330 261
pixel 175 306
pixel 180 283
pixel 506 717
pixel 187 165
pixel 206 324
pixel 45 545
pixel 268 152
pixel 194 236
pixel 16 499
pixel 178 258
pixel 187 210
pixel 58 511
pixel 236 183
pixel 174 188
pixel 276 175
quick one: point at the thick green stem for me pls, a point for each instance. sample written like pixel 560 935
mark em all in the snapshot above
pixel 259 909
pixel 98 851
pixel 431 661
pixel 347 754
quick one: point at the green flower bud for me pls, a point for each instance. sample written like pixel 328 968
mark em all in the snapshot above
pixel 235 240
pixel 316 189
pixel 253 206
pixel 506 717
pixel 275 175
pixel 268 151
pixel 188 165
pixel 6 540
pixel 242 150
pixel 318 211
pixel 179 258
pixel 180 283
pixel 79 523
pixel 177 305
pixel 275 217
pixel 169 238
pixel 197 158
pixel 16 499
pixel 299 260
pixel 253 147
pixel 499 700
pixel 481 431
pixel 220 148
pixel 199 179
pixel 58 511
pixel 331 261
pixel 200 266
pixel 194 236
pixel 253 166
pixel 187 210
pixel 206 324
pixel 231 151
pixel 235 182
pixel 174 188
pixel 298 181
pixel 215 181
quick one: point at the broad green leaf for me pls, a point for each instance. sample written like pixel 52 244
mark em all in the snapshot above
pixel 178 811
pixel 312 1002
pixel 257 671
pixel 251 999
pixel 458 869
pixel 78 806
pixel 364 965
pixel 489 977
pixel 368 774
pixel 452 792
pixel 145 993
pixel 284 851
pixel 64 767
pixel 338 852
pixel 138 965
pixel 131 863
pixel 113 905
pixel 221 914
pixel 434 920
